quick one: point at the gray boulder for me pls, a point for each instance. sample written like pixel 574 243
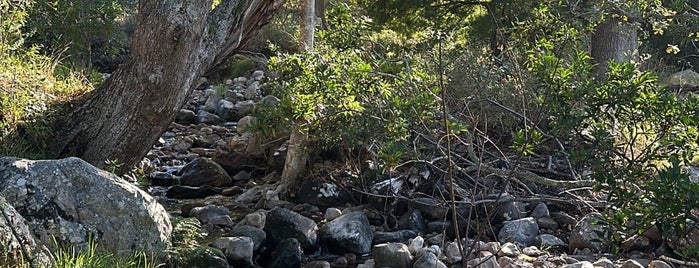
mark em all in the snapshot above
pixel 548 241
pixel 282 223
pixel 521 231
pixel 17 241
pixel 70 201
pixel 394 236
pixel 256 234
pixel 206 213
pixel 394 255
pixel 203 171
pixel 226 110
pixel 412 220
pixel 686 79
pixel 287 254
pixel 508 209
pixel 204 117
pixel 238 250
pixel 349 232
pixel 484 262
pixel 590 233
pixel 212 100
pixel 540 211
pixel 186 117
pixel 428 260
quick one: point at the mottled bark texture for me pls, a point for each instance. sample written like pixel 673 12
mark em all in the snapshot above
pixel 614 39
pixel 175 42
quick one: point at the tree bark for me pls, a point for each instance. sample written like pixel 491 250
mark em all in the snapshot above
pixel 614 39
pixel 174 44
pixel 308 24
pixel 296 154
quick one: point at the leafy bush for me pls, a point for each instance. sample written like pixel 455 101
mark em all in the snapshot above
pixel 88 33
pixel 629 132
pixel 342 91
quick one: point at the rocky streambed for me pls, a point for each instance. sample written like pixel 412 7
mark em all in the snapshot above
pixel 208 166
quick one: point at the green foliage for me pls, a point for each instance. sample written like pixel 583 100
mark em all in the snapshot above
pixel 86 32
pixel 13 16
pixel 28 89
pixel 94 257
pixel 30 86
pixel 624 130
pixel 343 93
pixel 186 232
pixel 525 140
pixel 671 195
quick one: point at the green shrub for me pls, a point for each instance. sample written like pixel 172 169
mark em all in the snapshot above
pixel 86 33
pixel 630 133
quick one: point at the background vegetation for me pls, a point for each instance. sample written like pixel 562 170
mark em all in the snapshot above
pixel 517 76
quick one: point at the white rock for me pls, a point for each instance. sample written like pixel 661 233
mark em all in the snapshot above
pixel 415 244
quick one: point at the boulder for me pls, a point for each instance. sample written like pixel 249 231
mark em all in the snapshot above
pixel 590 233
pixel 394 255
pixel 244 108
pixel 191 192
pixel 245 123
pixel 204 117
pixel 287 254
pixel 430 206
pixel 521 231
pixel 540 211
pixel 71 202
pixel 428 260
pixel 483 262
pixel 686 79
pixel 348 232
pixel 394 236
pixel 206 213
pixel 322 194
pixel 238 250
pixel 508 209
pixel 186 117
pixel 226 110
pixel 203 171
pixel 548 241
pixel 17 241
pixel 412 220
pixel 256 234
pixel 234 160
pixel 282 223
pixel 212 100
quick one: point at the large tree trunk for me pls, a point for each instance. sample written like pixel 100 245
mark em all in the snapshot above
pixel 174 43
pixel 614 39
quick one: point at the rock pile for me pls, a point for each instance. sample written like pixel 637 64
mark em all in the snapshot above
pixel 211 167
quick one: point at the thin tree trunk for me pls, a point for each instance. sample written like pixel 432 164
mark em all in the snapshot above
pixel 615 40
pixel 174 44
pixel 308 24
pixel 296 155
